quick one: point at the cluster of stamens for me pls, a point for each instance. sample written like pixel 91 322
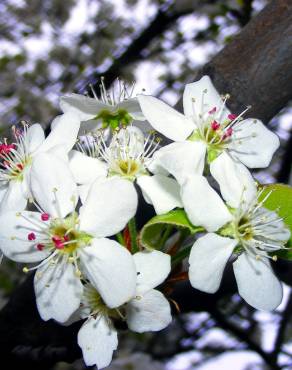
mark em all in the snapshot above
pixel 256 228
pixel 211 127
pixel 14 157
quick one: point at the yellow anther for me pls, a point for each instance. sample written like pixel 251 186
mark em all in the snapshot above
pixel 78 273
pixel 275 258
pixel 25 270
pixel 13 237
pixel 258 257
pixel 18 214
pixel 71 259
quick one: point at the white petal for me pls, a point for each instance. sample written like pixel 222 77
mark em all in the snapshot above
pixel 111 270
pixel 151 312
pixel 14 230
pixel 192 99
pixel 84 168
pixel 152 269
pixel 165 119
pixel 35 137
pixel 110 204
pixel 182 159
pixel 3 189
pixel 208 258
pixel 132 106
pixel 98 340
pixel 83 191
pixel 84 107
pixel 236 182
pixel 257 284
pixel 58 291
pixel 161 191
pixel 53 185
pixel 15 197
pixel 253 144
pixel 64 133
pixel 203 205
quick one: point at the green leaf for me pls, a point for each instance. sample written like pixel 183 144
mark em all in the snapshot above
pixel 153 234
pixel 280 200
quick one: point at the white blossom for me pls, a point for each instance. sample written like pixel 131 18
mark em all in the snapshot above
pixel 128 156
pixel 70 245
pixel 207 128
pixel 17 158
pixel 148 310
pixel 114 108
pixel 245 229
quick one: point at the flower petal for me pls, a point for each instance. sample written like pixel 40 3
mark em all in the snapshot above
pixel 253 144
pixel 161 191
pixel 64 132
pixel 132 106
pixel 86 169
pixel 182 159
pixel 58 291
pixel 151 312
pixel 237 185
pixel 35 137
pixel 15 197
pixel 152 269
pixel 110 204
pixel 53 185
pixel 83 107
pixel 98 340
pixel 208 258
pixel 165 119
pixel 111 270
pixel 192 99
pixel 257 284
pixel 83 191
pixel 203 205
pixel 14 230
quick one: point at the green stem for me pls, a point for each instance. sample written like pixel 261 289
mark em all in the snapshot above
pixel 165 236
pixel 133 235
pixel 181 255
pixel 120 238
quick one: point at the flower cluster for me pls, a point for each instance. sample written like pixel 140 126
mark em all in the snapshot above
pixel 68 202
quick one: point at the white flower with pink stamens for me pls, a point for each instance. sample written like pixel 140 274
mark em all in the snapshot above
pixel 244 228
pixel 128 156
pixel 148 310
pixel 206 129
pixel 69 244
pixel 17 158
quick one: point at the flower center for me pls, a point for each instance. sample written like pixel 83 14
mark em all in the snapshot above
pixel 114 119
pixel 14 158
pixel 93 304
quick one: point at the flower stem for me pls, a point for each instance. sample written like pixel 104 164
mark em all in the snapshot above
pixel 120 238
pixel 133 235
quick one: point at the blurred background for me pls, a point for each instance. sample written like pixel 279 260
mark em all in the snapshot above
pixel 52 47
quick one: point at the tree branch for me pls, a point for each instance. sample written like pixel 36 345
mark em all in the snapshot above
pixel 255 68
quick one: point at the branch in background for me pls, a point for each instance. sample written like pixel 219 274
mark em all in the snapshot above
pixel 285 169
pixel 164 18
pixel 255 68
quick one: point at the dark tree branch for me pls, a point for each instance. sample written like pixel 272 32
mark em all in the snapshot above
pixel 285 169
pixel 255 68
pixel 164 18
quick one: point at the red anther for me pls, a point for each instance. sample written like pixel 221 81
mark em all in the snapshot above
pixel 212 111
pixel 45 216
pixel 40 247
pixel 232 116
pixel 66 238
pixel 59 244
pixel 6 148
pixel 31 236
pixel 229 131
pixel 19 166
pixel 215 125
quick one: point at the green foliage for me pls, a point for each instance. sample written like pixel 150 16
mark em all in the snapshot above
pixel 155 233
pixel 280 200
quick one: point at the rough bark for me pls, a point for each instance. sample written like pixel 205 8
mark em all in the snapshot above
pixel 255 68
